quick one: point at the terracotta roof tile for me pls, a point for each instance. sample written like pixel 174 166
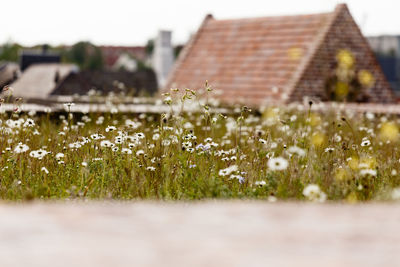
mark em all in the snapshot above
pixel 254 53
pixel 249 57
pixel 112 53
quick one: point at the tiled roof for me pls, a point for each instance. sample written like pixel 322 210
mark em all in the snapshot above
pixel 249 57
pixel 39 80
pixel 8 72
pixel 253 60
pixel 112 53
pixel 131 83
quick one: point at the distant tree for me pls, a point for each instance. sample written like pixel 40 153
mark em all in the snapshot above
pixel 46 47
pixel 141 65
pixel 86 56
pixel 150 47
pixel 43 47
pixel 10 52
pixel 95 59
pixel 177 50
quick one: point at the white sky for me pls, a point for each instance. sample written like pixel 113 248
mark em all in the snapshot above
pixel 133 22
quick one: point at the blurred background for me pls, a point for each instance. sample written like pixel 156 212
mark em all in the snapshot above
pixel 108 46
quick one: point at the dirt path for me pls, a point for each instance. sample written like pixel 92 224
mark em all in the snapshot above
pixel 202 234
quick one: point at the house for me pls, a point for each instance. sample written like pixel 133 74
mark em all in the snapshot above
pixel 141 82
pixel 282 59
pixel 125 62
pixel 385 44
pixel 31 57
pixel 9 72
pixel 387 50
pixel 111 54
pixel 39 80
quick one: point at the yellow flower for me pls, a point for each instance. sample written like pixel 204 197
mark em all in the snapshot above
pixel 352 198
pixel 353 163
pixel 341 174
pixel 315 119
pixel 345 59
pixel 318 139
pixel 342 89
pixel 295 53
pixel 366 78
pixel 367 163
pixel 389 131
pixel 271 114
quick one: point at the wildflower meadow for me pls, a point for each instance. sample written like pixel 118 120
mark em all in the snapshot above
pixel 295 152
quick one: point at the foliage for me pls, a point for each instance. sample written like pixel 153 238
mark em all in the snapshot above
pixel 286 153
pixel 149 47
pixel 10 52
pixel 86 55
pixel 177 50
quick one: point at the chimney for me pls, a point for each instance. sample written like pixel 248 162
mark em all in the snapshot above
pixel 163 56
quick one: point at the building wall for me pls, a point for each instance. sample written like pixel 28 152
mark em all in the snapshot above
pixel 387 50
pixel 163 56
pixel 386 45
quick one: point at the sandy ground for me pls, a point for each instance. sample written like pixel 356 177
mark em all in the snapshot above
pixel 199 234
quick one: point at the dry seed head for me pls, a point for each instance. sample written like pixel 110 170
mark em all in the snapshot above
pixel 208 87
pixel 222 116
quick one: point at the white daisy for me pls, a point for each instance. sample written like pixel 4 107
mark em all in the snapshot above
pixel 44 169
pixel 228 171
pixel 59 156
pixel 260 183
pixel 139 152
pixel 111 128
pixel 106 143
pixel 39 154
pixel 313 193
pixel 151 168
pixel 277 164
pixel 156 136
pixel 366 172
pixel 365 142
pixel 21 148
pixel 29 123
pixel 126 151
pixel 296 150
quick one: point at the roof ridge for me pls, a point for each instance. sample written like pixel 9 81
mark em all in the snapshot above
pixel 273 16
pixel 319 40
pixel 185 51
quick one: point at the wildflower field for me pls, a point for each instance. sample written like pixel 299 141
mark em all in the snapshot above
pixel 279 153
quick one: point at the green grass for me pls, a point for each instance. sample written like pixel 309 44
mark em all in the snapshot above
pixel 185 161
